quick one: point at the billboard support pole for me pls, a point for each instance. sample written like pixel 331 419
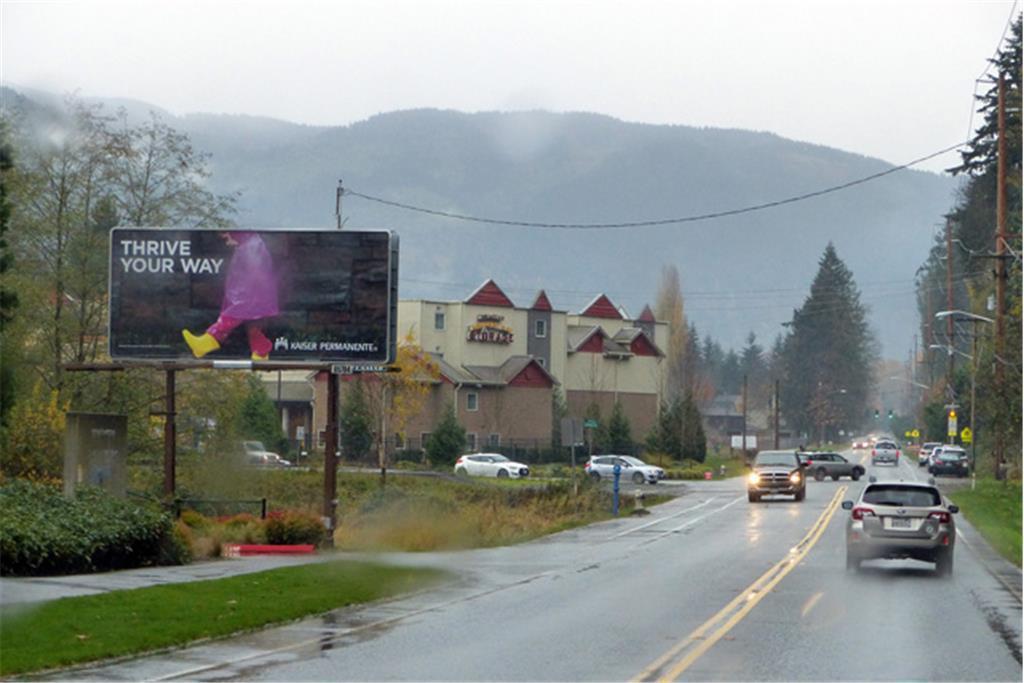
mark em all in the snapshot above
pixel 330 461
pixel 170 437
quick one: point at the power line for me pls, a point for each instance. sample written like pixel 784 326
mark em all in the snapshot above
pixel 652 223
pixel 989 63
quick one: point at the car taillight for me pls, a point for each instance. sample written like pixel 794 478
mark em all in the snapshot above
pixel 861 513
pixel 873 452
pixel 586 467
pixel 459 461
pixel 940 515
pixel 897 454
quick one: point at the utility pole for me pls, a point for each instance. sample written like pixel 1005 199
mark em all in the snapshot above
pixel 775 403
pixel 330 460
pixel 337 203
pixel 949 305
pixel 1000 344
pixel 744 443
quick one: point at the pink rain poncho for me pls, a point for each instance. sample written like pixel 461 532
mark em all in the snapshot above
pixel 250 291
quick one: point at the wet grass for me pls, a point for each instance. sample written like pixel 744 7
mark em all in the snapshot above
pixel 994 508
pixel 74 630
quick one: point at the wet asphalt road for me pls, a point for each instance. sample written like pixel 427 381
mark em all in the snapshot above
pixel 622 599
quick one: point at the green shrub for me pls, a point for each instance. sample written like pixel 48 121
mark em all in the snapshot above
pixel 291 527
pixel 44 532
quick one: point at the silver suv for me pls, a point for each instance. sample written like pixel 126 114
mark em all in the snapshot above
pixel 900 520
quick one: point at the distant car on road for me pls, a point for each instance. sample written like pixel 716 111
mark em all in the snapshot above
pixel 950 460
pixel 631 469
pixel 900 520
pixel 490 465
pixel 256 454
pixel 821 465
pixel 862 442
pixel 885 451
pixel 776 472
pixel 925 452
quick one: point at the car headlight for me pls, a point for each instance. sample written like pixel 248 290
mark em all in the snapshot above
pixel 795 477
pixel 753 477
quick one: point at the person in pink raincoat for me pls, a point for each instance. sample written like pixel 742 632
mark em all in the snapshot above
pixel 250 297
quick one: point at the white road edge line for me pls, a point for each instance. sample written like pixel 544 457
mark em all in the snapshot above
pixel 694 521
pixel 660 520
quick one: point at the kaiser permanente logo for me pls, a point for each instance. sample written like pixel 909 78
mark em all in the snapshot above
pixel 488 329
pixel 284 344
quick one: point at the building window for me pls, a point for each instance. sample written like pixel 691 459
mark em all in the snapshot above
pixel 439 320
pixel 540 328
pixel 471 401
pixel 543 362
pixel 493 440
pixel 471 441
pixel 423 439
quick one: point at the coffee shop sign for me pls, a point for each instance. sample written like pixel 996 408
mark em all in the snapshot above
pixel 489 329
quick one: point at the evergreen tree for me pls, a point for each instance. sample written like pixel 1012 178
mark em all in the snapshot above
pixel 620 437
pixel 8 297
pixel 828 356
pixel 559 410
pixel 259 419
pixel 693 442
pixel 667 434
pixel 356 423
pixel 448 439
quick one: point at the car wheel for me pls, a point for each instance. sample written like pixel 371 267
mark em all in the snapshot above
pixel 461 472
pixel 753 497
pixel 856 474
pixel 638 478
pixel 596 476
pixel 819 474
pixel 502 474
pixel 944 562
pixel 852 562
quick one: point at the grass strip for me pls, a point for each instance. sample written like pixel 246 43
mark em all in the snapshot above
pixel 994 508
pixel 80 629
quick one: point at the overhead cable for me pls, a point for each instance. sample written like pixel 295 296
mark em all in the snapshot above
pixel 651 223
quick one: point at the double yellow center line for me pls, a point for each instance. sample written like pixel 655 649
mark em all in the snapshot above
pixel 683 654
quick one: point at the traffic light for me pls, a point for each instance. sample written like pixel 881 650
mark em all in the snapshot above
pixel 876 413
pixel 890 413
pixel 952 414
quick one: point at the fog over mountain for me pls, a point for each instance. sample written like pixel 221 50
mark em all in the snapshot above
pixel 740 273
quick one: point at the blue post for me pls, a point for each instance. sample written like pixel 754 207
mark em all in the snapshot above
pixel 615 489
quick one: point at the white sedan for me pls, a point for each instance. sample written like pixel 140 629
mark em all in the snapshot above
pixel 490 465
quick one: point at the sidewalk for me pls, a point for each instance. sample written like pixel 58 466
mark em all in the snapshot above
pixel 14 590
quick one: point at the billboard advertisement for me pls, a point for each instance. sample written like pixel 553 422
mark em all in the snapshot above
pixel 303 296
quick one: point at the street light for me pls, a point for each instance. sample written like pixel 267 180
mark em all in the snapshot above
pixel 950 350
pixel 974 318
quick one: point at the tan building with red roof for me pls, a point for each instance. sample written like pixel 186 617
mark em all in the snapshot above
pixel 500 364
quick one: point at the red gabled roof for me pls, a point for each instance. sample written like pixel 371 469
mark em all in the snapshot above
pixel 642 346
pixel 533 375
pixel 602 307
pixel 647 316
pixel 490 294
pixel 541 303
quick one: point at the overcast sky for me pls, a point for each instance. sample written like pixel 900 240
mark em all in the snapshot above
pixel 888 79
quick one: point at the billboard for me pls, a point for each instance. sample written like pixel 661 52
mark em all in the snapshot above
pixel 303 296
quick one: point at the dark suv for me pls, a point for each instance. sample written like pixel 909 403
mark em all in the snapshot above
pixel 776 472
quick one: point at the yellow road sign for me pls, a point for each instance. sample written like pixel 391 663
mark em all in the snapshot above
pixel 966 435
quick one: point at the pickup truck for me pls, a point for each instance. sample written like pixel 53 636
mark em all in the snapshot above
pixel 776 472
pixel 885 451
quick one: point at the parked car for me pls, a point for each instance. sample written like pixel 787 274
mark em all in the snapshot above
pixel 900 520
pixel 885 451
pixel 925 452
pixel 490 465
pixel 631 469
pixel 256 454
pixel 950 460
pixel 821 465
pixel 776 472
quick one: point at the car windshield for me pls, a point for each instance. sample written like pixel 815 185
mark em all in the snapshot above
pixel 902 496
pixel 784 459
pixel 952 455
pixel 253 445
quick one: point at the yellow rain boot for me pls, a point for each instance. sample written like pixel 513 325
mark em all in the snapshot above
pixel 256 356
pixel 202 344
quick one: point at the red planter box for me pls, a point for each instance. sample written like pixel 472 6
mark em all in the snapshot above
pixel 237 550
